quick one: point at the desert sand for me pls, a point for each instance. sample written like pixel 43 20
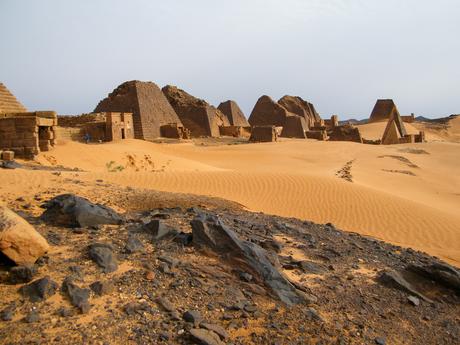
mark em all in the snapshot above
pixel 404 194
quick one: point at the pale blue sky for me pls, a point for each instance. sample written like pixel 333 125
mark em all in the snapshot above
pixel 339 54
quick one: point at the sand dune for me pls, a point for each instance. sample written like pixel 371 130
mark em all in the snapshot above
pixel 405 194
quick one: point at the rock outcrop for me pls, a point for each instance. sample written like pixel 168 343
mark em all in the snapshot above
pixel 19 240
pixel 74 211
pixel 234 113
pixel 150 109
pixel 209 233
pixel 196 114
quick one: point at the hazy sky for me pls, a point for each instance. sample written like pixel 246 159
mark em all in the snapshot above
pixel 339 54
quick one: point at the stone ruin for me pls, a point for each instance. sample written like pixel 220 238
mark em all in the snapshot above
pixel 263 134
pixel 105 126
pixel 294 127
pixel 267 112
pixel 383 110
pixel 395 132
pixel 150 108
pixel 345 133
pixel 196 114
pixel 300 107
pixel 24 133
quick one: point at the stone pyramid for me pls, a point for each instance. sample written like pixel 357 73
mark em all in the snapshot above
pixel 9 103
pixel 234 113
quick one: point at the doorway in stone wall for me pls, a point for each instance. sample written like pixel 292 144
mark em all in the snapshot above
pixel 122 133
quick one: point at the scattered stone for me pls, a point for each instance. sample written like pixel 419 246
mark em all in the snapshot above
pixel 133 245
pixel 22 274
pixel 172 262
pixel 19 240
pixel 101 288
pixel 74 211
pixel 414 300
pixel 205 337
pixel 210 234
pixel 150 275
pixel 77 295
pixel 380 341
pixel 246 276
pixel 102 254
pixel 159 230
pixel 310 266
pixel 40 289
pixel 7 314
pixel 32 317
pixel 192 316
pixel 219 330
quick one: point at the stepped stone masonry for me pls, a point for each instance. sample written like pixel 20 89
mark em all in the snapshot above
pixel 150 108
pixel 195 114
pixel 9 103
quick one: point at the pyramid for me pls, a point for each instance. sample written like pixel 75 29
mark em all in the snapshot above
pixel 267 112
pixel 151 110
pixel 234 114
pixel 382 110
pixel 196 114
pixel 300 107
pixel 391 135
pixel 9 103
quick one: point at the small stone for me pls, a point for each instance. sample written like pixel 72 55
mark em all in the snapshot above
pixel 7 314
pixel 413 300
pixel 192 316
pixel 133 245
pixel 39 289
pixel 101 288
pixel 205 337
pixel 22 274
pixel 244 276
pixel 150 275
pixel 380 341
pixel 219 330
pixel 32 317
pixel 78 296
pixel 102 254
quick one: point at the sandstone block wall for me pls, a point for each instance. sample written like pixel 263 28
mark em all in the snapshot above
pixel 345 133
pixel 294 127
pixel 26 134
pixel 318 135
pixel 9 103
pixel 234 113
pixel 263 134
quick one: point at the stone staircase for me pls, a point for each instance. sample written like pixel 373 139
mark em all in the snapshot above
pixel 9 103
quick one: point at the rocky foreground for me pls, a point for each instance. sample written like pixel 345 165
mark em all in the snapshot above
pixel 213 273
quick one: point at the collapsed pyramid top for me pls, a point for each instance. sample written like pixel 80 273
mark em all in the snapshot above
pixel 9 103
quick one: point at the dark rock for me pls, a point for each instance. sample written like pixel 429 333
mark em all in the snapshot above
pixel 32 317
pixel 380 341
pixel 133 308
pixel 78 296
pixel 159 230
pixel 440 272
pixel 395 279
pixel 310 266
pixel 312 314
pixel 54 238
pixel 172 262
pixel 246 276
pixel 22 274
pixel 133 245
pixel 74 211
pixel 7 314
pixel 219 330
pixel 272 245
pixel 10 165
pixel 64 312
pixel 205 337
pixel 40 289
pixel 192 316
pixel 184 238
pixel 102 254
pixel 210 234
pixel 101 288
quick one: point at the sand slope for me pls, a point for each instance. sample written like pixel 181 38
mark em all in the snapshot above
pixel 405 194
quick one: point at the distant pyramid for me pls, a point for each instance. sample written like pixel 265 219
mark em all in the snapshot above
pixel 234 113
pixel 394 130
pixel 9 103
pixel 382 110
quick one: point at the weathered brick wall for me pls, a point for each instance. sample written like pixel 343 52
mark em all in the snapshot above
pixel 263 134
pixel 8 102
pixel 294 127
pixel 345 133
